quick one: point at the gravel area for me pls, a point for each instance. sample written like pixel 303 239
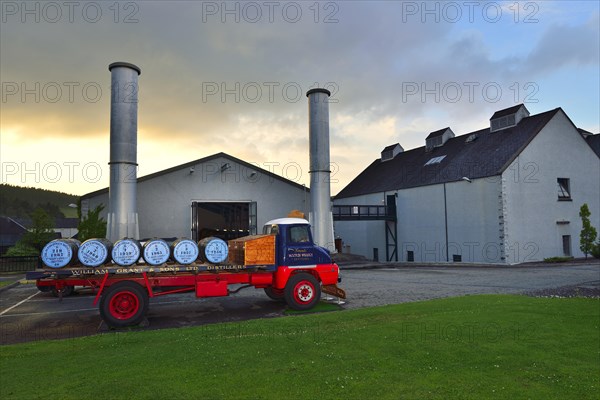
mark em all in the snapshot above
pixel 591 290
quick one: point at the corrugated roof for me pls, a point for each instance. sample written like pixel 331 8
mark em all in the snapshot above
pixel 200 161
pixel 489 155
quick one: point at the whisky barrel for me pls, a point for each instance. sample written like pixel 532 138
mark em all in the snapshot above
pixel 60 252
pixel 184 251
pixel 126 252
pixel 213 250
pixel 95 252
pixel 156 252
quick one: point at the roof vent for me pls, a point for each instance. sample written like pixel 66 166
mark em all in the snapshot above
pixel 438 138
pixel 508 117
pixel 391 151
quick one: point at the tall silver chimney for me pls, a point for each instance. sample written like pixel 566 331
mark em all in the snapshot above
pixel 122 193
pixel 320 215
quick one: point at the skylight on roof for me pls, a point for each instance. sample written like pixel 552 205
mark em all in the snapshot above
pixel 435 160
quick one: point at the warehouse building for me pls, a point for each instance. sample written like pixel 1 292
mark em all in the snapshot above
pixel 508 193
pixel 219 195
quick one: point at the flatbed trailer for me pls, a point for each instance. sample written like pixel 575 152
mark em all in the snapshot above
pixel 123 293
pixel 284 261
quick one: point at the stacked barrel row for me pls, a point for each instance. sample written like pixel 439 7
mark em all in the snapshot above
pixel 126 252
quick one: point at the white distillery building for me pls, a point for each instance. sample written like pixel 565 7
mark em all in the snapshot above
pixel 509 193
pixel 219 195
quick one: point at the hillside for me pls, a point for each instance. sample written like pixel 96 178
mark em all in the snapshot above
pixel 17 201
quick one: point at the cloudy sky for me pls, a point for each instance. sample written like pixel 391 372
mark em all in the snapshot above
pixel 231 77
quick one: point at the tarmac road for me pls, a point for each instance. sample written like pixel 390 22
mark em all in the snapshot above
pixel 29 315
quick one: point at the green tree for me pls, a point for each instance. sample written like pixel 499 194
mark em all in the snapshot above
pixel 42 231
pixel 20 250
pixel 588 232
pixel 596 249
pixel 92 225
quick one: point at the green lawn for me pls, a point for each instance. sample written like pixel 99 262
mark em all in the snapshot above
pixel 6 283
pixel 490 347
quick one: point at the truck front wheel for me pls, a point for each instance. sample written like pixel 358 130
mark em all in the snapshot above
pixel 302 292
pixel 124 304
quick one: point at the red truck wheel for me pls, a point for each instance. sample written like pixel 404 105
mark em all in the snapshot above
pixel 302 292
pixel 275 294
pixel 124 304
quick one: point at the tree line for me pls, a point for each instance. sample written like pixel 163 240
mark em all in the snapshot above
pixel 21 202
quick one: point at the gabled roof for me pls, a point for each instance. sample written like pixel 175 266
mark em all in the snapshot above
pixel 8 225
pixel 594 142
pixel 25 222
pixel 437 133
pixel 584 133
pixel 489 155
pixel 200 161
pixel 390 147
pixel 66 223
pixel 506 111
pixel 59 223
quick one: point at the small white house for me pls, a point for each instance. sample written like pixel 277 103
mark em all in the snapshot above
pixel 508 193
pixel 217 195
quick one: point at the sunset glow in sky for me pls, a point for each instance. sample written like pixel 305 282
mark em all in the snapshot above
pixel 232 77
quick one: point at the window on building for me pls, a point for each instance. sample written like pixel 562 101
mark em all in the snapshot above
pixel 435 160
pixel 387 155
pixel 566 239
pixel 410 256
pixel 564 190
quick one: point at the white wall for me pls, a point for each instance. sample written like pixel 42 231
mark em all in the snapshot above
pixel 510 218
pixel 473 223
pixel 164 202
pixel 530 193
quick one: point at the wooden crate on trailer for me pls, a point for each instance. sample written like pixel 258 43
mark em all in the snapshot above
pixel 252 250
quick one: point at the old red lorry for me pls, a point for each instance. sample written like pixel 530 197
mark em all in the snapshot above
pixel 283 261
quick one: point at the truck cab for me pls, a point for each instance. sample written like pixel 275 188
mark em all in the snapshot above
pixel 294 243
pixel 303 269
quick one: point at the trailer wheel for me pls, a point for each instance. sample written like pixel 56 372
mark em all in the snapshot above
pixel 275 294
pixel 64 292
pixel 44 289
pixel 124 304
pixel 302 292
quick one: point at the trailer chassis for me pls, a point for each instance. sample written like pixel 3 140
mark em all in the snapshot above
pixel 122 294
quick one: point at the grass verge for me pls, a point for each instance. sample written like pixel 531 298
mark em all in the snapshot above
pixel 6 283
pixel 470 348
pixel 319 308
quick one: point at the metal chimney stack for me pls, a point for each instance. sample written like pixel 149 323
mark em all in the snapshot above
pixel 321 217
pixel 122 194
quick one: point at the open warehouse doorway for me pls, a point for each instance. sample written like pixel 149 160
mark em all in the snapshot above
pixel 225 220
